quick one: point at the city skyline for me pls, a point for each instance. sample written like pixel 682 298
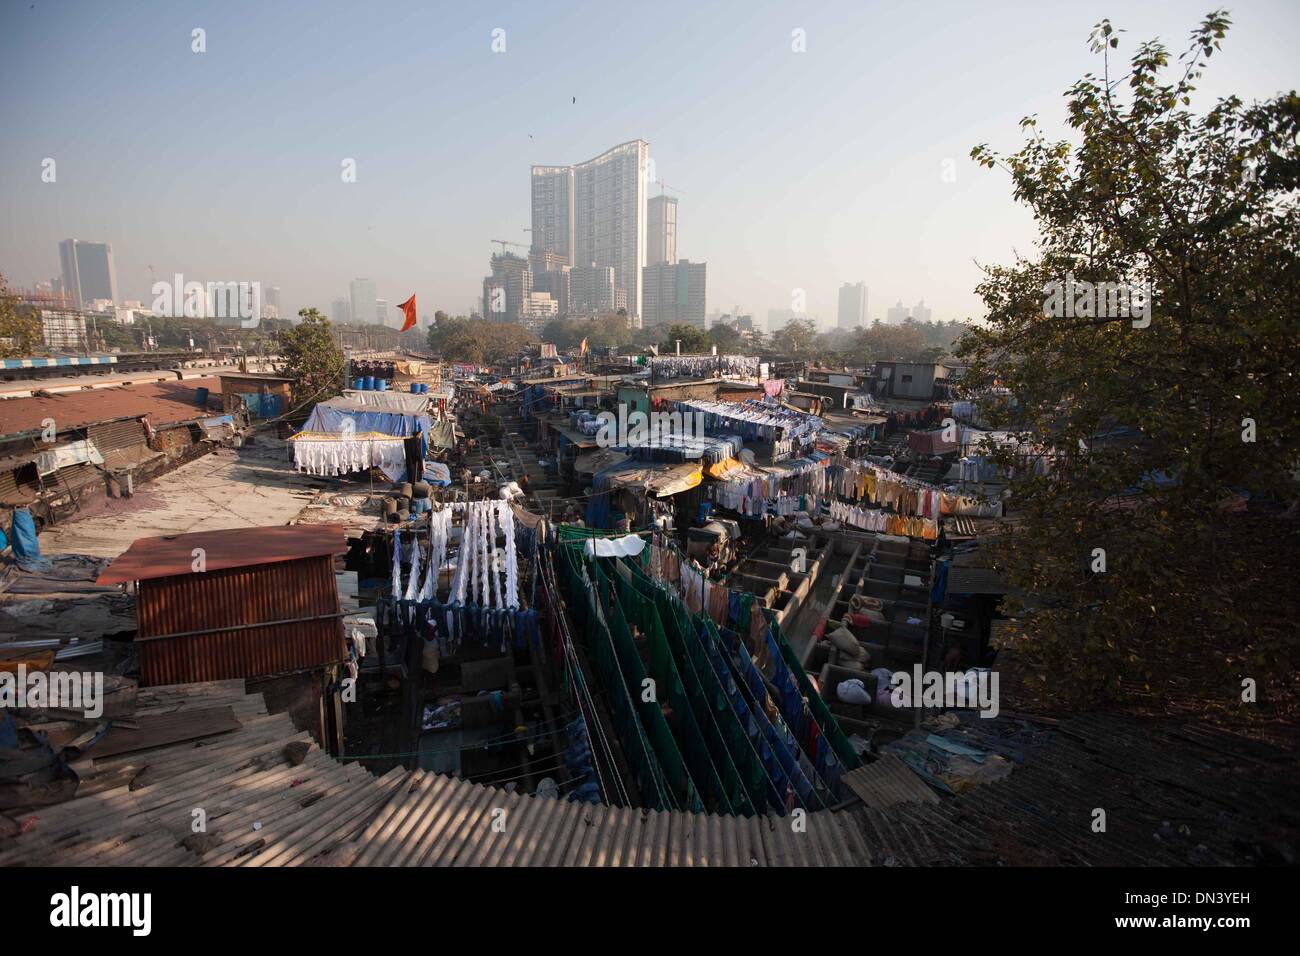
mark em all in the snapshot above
pixel 803 199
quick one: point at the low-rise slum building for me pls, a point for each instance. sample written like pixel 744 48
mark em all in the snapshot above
pixel 61 452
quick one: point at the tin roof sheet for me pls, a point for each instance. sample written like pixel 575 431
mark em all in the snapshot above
pixel 233 548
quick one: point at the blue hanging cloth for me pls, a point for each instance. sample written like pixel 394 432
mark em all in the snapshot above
pixel 27 550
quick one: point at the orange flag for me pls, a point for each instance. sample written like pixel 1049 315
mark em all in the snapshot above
pixel 408 310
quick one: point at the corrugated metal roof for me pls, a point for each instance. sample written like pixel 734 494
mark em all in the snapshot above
pixel 887 781
pixel 243 622
pixel 237 779
pixel 1175 793
pixel 123 444
pixel 433 820
pixel 233 548
pixel 327 813
pixel 162 402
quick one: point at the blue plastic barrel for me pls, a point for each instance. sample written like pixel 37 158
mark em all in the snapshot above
pixel 415 388
pixel 201 396
pixel 360 383
pixel 370 383
pixel 424 388
pixel 381 384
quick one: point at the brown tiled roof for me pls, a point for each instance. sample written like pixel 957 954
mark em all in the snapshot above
pixel 164 403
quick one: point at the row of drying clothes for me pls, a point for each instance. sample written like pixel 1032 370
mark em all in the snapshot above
pixel 483 573
pixel 760 506
pixel 784 490
pixel 450 626
pixel 722 605
pixel 921 418
pixel 331 454
pixel 741 366
pixel 483 597
pixel 867 482
pixel 478 572
pixel 976 468
pixel 708 449
pixel 875 519
pixel 703 366
pixel 863 481
pixel 755 420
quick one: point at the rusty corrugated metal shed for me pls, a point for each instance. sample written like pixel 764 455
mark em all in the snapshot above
pixel 251 621
pixel 173 554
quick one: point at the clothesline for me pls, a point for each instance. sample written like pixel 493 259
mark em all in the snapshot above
pixel 884 522
pixel 863 481
pixel 704 366
pixel 754 419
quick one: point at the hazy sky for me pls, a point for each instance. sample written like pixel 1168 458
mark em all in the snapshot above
pixel 795 170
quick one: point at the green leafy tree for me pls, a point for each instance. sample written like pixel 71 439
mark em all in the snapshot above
pixel 482 342
pixel 649 335
pixel 727 338
pixel 892 343
pixel 1139 569
pixel 692 339
pixel 308 353
pixel 443 327
pixel 564 334
pixel 797 340
pixel 612 331
pixel 605 331
pixel 20 327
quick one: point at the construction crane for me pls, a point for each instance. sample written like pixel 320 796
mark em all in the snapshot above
pixel 663 185
pixel 503 243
